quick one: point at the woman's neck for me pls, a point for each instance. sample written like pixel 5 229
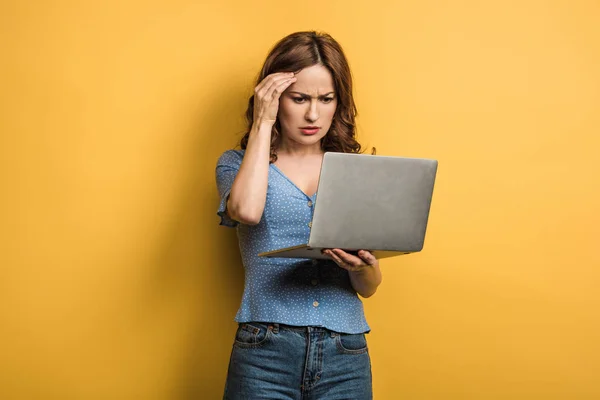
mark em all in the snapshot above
pixel 295 149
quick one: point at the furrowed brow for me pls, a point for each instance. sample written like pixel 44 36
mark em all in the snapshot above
pixel 306 95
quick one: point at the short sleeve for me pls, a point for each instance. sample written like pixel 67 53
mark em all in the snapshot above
pixel 226 171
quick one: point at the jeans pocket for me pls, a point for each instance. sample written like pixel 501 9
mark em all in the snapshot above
pixel 253 334
pixel 351 343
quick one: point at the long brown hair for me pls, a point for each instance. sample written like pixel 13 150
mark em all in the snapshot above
pixel 301 50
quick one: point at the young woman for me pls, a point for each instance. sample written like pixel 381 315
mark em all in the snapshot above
pixel 301 332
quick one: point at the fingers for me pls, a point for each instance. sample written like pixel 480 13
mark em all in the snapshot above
pixel 274 79
pixel 341 262
pixel 277 90
pixel 367 257
pixel 350 262
pixel 345 260
pixel 265 83
pixel 348 258
pixel 335 257
pixel 267 93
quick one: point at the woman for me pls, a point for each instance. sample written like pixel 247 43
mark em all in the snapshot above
pixel 301 332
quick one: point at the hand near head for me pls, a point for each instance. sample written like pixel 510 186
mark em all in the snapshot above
pixel 350 262
pixel 267 93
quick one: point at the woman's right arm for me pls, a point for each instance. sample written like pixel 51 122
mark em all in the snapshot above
pixel 248 194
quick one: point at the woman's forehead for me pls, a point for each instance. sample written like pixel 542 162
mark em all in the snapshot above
pixel 315 80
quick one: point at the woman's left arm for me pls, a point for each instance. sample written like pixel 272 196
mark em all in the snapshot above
pixel 364 271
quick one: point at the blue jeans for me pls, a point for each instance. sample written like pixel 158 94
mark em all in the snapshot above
pixel 274 361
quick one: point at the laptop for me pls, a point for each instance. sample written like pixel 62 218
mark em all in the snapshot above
pixel 368 202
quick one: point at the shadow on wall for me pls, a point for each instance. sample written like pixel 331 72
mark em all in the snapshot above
pixel 206 255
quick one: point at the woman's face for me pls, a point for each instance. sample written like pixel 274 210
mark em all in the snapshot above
pixel 309 102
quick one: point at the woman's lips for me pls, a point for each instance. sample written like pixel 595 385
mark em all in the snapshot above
pixel 310 131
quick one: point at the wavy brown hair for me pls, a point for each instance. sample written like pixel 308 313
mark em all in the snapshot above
pixel 302 50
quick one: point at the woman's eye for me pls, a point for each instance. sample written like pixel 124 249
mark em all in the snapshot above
pixel 301 99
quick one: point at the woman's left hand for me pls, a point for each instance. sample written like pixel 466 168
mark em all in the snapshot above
pixel 350 262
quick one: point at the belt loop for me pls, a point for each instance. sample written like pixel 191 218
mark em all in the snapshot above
pixel 275 328
pixel 333 334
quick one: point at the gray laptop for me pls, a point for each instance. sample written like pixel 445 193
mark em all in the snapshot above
pixel 376 203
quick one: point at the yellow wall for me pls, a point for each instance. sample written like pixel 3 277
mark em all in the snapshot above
pixel 116 281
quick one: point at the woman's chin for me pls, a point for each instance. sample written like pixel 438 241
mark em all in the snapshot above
pixel 308 139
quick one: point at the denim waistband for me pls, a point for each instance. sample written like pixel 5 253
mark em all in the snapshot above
pixel 303 329
pixel 275 327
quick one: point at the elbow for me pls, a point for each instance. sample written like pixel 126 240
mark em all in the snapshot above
pixel 366 295
pixel 369 291
pixel 246 217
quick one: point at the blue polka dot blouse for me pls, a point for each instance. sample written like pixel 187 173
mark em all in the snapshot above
pixel 292 291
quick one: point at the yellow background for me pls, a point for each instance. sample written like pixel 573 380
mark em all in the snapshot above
pixel 116 281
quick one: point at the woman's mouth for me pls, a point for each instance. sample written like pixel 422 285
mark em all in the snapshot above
pixel 309 131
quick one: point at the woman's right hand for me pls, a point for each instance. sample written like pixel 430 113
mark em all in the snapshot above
pixel 267 93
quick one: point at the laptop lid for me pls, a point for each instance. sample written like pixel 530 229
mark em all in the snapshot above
pixel 372 202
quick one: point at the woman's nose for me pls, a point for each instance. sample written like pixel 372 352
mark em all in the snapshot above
pixel 312 113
